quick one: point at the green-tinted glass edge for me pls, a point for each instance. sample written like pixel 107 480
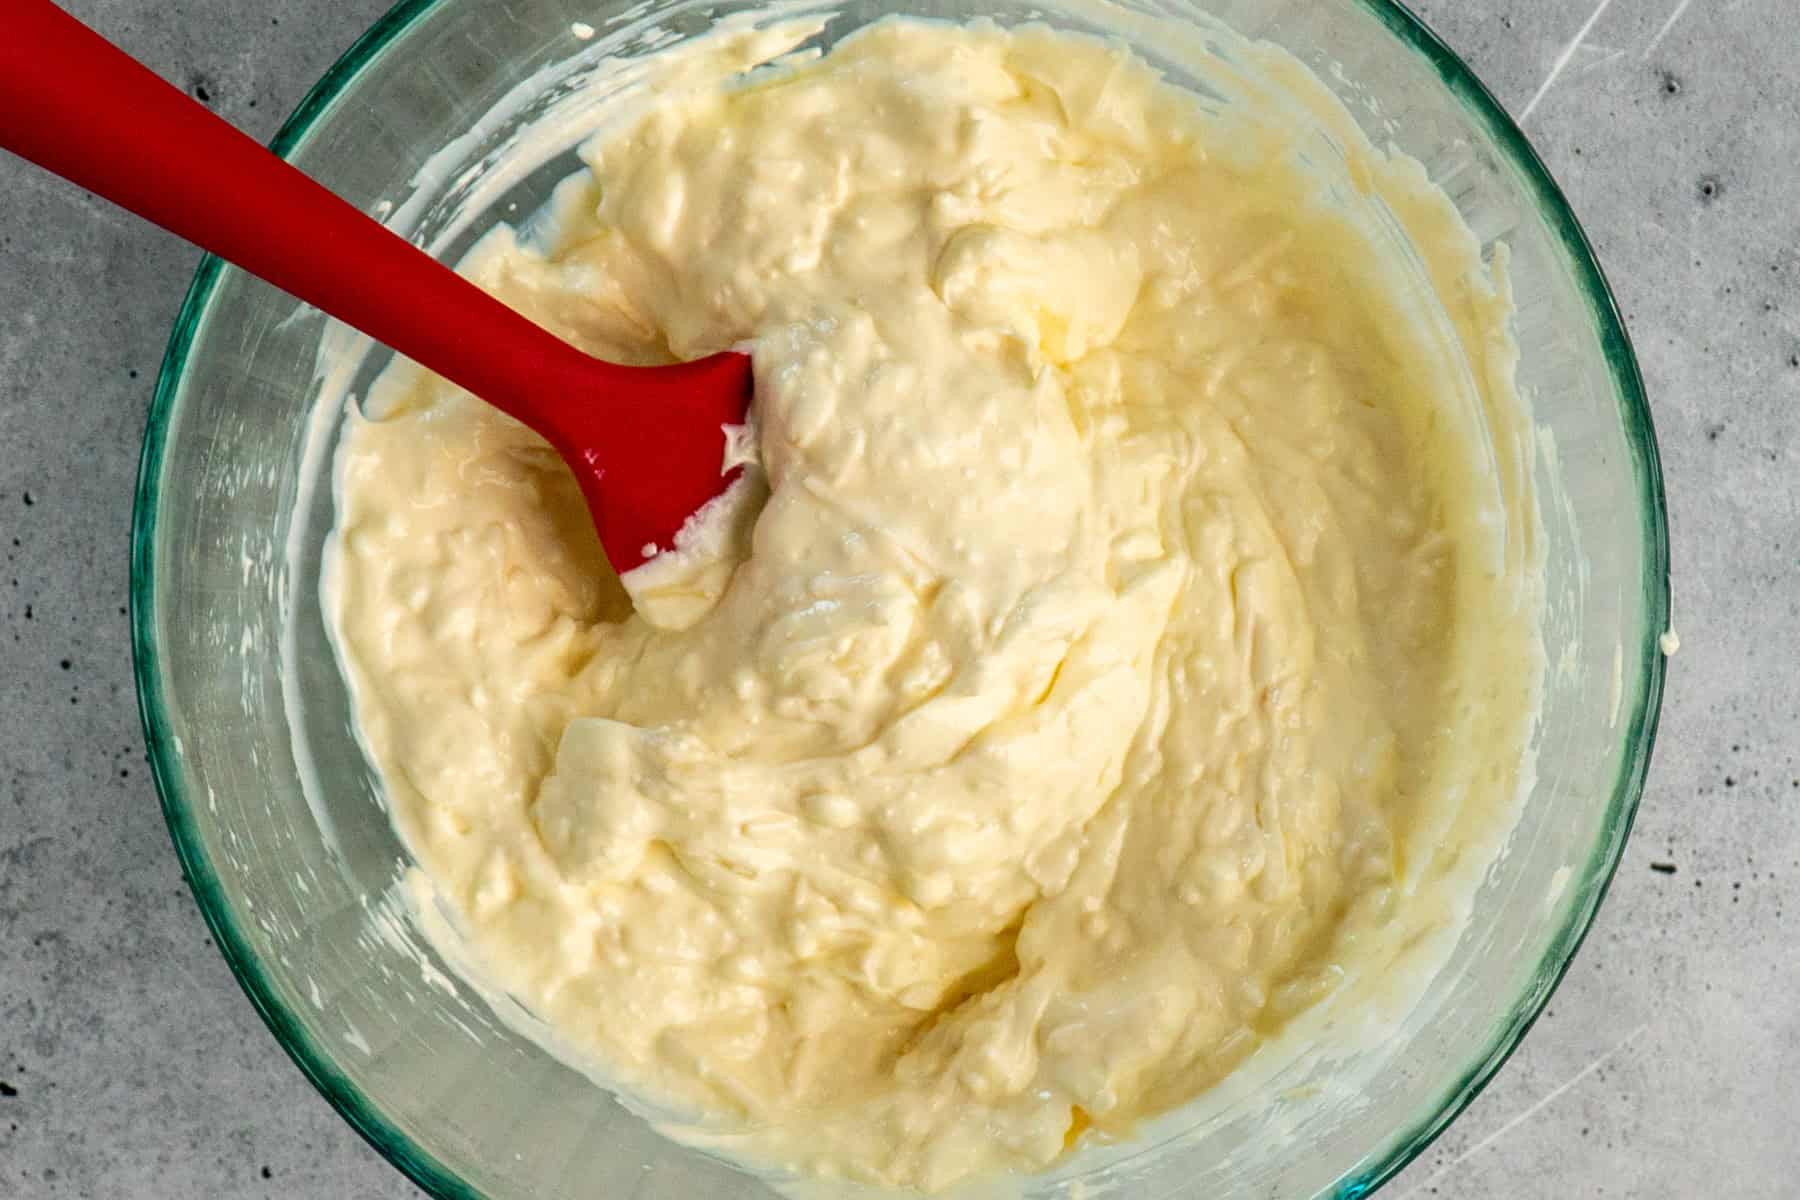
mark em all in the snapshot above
pixel 314 1062
pixel 438 1180
pixel 1646 705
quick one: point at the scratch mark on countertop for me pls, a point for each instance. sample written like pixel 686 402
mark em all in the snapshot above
pixel 1680 11
pixel 1542 1103
pixel 1562 59
pixel 1606 57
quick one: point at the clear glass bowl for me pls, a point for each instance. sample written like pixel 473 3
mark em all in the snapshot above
pixel 278 820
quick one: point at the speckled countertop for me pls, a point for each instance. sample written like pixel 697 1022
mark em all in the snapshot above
pixel 131 1065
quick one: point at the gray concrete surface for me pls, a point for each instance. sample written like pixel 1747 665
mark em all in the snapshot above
pixel 131 1066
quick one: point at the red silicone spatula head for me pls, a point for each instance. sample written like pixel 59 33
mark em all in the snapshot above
pixel 646 465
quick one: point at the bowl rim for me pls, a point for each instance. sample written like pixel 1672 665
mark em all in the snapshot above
pixel 1403 1147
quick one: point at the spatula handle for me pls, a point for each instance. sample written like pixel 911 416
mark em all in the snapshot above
pixel 81 107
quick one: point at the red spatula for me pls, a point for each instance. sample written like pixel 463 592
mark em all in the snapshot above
pixel 646 443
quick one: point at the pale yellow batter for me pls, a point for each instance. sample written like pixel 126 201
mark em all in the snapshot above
pixel 1061 712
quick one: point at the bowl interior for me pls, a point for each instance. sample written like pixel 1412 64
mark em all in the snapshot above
pixel 279 820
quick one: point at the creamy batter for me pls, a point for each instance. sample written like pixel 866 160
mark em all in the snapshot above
pixel 1096 636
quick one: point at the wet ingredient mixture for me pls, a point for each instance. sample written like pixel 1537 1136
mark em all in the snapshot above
pixel 1058 711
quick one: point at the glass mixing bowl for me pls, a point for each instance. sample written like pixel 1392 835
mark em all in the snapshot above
pixel 278 819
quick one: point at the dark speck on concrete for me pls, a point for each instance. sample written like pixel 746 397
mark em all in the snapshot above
pixel 7 1090
pixel 267 1174
pixel 1663 868
pixel 1671 84
pixel 26 496
pixel 201 87
pixel 1730 781
pixel 1710 189
pixel 65 664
